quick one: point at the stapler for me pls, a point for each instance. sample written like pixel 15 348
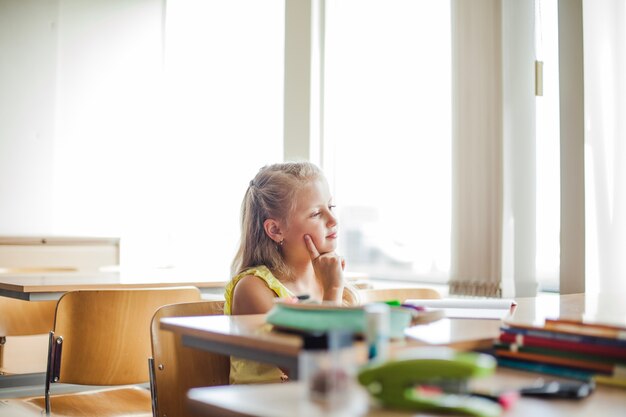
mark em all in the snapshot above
pixel 431 380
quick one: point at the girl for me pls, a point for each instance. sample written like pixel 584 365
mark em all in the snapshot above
pixel 287 248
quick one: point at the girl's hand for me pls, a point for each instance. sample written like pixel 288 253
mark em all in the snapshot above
pixel 328 269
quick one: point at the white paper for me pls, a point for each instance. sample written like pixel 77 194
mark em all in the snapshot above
pixel 485 303
pixel 474 313
pixel 488 308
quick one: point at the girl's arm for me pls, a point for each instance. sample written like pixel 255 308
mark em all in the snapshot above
pixel 252 296
pixel 328 270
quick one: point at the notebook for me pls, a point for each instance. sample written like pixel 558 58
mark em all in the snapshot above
pixel 316 317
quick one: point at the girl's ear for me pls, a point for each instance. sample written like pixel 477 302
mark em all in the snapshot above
pixel 273 230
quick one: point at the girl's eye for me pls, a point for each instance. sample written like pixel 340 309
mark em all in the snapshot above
pixel 316 214
pixel 331 207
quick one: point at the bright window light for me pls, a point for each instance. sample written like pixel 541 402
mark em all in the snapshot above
pixel 548 201
pixel 388 134
pixel 162 123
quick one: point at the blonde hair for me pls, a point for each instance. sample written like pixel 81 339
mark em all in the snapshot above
pixel 271 195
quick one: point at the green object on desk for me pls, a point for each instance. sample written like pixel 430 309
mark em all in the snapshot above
pixel 324 317
pixel 407 383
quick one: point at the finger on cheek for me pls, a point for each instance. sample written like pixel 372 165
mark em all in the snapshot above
pixel 311 246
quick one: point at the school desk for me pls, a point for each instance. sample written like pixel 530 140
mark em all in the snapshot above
pixel 250 337
pixel 39 286
pixel 287 400
pixel 35 287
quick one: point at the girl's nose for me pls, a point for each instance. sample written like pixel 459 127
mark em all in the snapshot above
pixel 332 220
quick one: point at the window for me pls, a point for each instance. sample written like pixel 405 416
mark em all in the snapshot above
pixel 548 148
pixel 387 133
pixel 153 102
pixel 152 122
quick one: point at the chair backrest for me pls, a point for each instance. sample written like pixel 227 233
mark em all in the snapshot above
pixel 178 368
pixel 106 334
pixel 24 318
pixel 400 294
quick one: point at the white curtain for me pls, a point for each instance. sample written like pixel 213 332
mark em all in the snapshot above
pixel 476 148
pixel 604 32
pixel 493 214
pixel 493 157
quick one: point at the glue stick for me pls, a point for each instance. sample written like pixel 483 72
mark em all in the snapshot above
pixel 377 331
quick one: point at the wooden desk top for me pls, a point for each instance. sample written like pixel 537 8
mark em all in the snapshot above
pixel 248 332
pixel 285 400
pixel 251 331
pixel 39 286
pixel 250 337
pixel 472 334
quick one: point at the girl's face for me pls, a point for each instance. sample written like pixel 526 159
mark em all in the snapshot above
pixel 312 215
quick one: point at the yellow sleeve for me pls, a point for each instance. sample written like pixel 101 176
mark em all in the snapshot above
pixel 261 272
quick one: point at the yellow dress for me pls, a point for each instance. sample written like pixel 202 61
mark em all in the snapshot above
pixel 243 371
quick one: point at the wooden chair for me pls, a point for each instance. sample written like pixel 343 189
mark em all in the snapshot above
pixel 400 294
pixel 24 318
pixel 102 337
pixel 176 368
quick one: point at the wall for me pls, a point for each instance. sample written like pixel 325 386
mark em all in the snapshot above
pixel 71 74
pixel 28 61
